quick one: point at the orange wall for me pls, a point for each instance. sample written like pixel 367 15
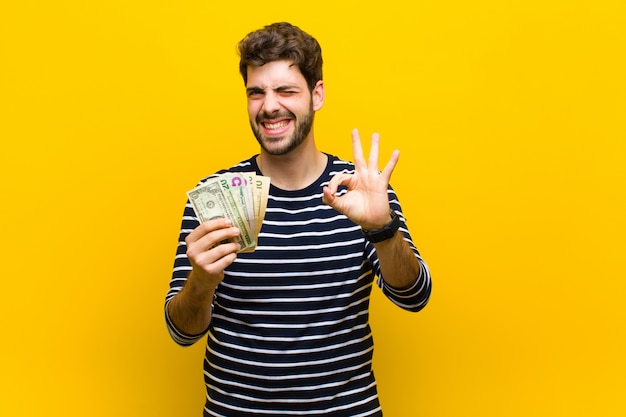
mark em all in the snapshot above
pixel 510 120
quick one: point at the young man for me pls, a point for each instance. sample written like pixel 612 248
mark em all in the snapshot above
pixel 287 324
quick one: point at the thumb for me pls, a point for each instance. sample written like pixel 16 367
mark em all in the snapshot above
pixel 334 201
pixel 328 197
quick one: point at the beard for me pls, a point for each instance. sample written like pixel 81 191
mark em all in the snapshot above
pixel 302 130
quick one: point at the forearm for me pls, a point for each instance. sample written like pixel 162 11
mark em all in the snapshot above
pixel 190 310
pixel 399 266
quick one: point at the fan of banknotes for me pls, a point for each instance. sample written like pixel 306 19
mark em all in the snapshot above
pixel 238 196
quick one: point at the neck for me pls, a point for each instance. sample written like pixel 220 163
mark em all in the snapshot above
pixel 294 171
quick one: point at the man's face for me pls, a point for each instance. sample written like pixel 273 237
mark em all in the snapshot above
pixel 280 106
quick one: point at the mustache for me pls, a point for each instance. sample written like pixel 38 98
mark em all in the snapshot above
pixel 266 116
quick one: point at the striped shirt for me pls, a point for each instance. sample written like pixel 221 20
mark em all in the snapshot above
pixel 289 334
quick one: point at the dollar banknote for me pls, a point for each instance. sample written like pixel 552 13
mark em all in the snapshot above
pixel 260 192
pixel 240 197
pixel 239 185
pixel 209 202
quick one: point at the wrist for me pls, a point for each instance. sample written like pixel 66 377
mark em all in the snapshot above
pixel 199 283
pixel 385 232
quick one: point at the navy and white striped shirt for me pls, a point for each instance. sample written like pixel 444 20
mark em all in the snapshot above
pixel 289 334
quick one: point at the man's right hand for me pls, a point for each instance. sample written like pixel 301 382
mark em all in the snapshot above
pixel 211 249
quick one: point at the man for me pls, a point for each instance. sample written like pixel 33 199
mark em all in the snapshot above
pixel 287 324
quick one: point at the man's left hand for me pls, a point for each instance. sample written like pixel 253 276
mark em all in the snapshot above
pixel 366 202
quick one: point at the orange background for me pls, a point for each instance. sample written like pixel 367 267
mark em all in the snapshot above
pixel 510 121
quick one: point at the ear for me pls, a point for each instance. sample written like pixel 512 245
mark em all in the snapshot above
pixel 317 95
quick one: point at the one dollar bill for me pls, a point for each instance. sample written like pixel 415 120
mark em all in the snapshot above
pixel 239 196
pixel 210 201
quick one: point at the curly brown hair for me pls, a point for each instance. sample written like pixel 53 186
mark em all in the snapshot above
pixel 282 41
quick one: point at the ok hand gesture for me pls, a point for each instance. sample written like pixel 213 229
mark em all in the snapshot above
pixel 366 202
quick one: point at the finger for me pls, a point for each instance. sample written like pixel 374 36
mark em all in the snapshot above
pixel 328 197
pixel 329 192
pixel 208 227
pixel 391 164
pixel 339 179
pixel 332 200
pixel 210 240
pixel 357 151
pixel 220 251
pixel 217 259
pixel 224 262
pixel 374 148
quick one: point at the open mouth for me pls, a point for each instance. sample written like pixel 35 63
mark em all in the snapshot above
pixel 276 127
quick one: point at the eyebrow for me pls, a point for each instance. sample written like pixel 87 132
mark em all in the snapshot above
pixel 277 89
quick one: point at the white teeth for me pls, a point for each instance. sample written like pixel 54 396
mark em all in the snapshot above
pixel 274 126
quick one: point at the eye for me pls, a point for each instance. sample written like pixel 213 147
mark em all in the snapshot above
pixel 254 93
pixel 287 90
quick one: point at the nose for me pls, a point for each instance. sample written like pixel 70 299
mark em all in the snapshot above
pixel 271 103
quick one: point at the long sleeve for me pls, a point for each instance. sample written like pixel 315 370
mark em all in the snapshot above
pixel 182 268
pixel 415 297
